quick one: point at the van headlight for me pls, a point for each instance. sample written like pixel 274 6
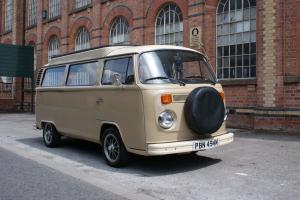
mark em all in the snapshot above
pixel 166 120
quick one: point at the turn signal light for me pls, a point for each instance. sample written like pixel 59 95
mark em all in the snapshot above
pixel 166 99
pixel 222 95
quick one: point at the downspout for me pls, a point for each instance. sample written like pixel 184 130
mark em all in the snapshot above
pixel 23 44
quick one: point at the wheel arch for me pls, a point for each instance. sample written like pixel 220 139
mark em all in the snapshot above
pixel 105 125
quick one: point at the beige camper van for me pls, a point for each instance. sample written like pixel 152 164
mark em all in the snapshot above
pixel 147 100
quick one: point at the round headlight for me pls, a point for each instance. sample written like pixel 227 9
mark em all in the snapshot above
pixel 166 120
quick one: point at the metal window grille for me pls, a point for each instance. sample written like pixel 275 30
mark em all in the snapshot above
pixel 236 39
pixel 82 3
pixel 6 87
pixel 54 8
pixel 169 26
pixel 32 13
pixel 82 39
pixel 119 32
pixel 53 48
pixel 9 14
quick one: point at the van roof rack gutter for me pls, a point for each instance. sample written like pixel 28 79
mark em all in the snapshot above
pixel 89 49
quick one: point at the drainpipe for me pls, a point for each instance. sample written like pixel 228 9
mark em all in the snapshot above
pixel 23 44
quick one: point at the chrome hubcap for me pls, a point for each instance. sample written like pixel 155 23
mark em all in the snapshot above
pixel 48 134
pixel 111 147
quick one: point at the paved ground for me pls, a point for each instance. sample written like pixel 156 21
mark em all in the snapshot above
pixel 255 166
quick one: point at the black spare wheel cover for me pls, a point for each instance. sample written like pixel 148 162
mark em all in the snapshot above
pixel 204 110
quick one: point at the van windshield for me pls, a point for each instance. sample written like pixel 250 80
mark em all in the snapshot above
pixel 174 66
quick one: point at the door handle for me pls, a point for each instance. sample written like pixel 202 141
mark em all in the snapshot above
pixel 99 100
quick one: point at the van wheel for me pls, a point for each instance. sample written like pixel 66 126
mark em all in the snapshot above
pixel 50 135
pixel 113 148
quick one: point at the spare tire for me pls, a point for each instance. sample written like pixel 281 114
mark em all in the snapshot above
pixel 204 110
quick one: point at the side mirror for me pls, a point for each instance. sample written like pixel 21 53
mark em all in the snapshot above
pixel 116 80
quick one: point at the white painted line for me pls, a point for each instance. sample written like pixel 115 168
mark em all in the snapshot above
pixel 241 174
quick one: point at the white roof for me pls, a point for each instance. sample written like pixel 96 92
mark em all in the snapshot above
pixel 110 51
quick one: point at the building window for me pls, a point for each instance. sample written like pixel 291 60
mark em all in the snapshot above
pixel 54 8
pixel 236 39
pixel 119 32
pixel 82 3
pixel 82 39
pixel 32 13
pixel 53 48
pixel 9 14
pixel 169 26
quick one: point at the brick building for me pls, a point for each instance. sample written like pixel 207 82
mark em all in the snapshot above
pixel 253 45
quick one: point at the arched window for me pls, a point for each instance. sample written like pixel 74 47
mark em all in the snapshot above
pixel 9 15
pixel 53 47
pixel 236 39
pixel 82 39
pixel 119 32
pixel 169 26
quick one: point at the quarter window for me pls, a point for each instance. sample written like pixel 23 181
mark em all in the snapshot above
pixel 82 39
pixel 122 67
pixel 53 48
pixel 169 26
pixel 9 13
pixel 119 33
pixel 236 39
pixel 32 13
pixel 53 77
pixel 54 8
pixel 82 74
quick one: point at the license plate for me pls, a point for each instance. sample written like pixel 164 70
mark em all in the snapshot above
pixel 203 145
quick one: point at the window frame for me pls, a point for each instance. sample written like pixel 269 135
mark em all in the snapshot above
pixel 81 63
pixel 8 15
pixel 164 9
pixel 220 68
pixel 54 10
pixel 58 46
pixel 54 67
pixel 32 13
pixel 119 22
pixel 80 30
pixel 132 56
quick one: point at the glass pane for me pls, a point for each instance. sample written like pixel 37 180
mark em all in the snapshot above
pixel 246 37
pixel 226 62
pixel 219 63
pixel 246 4
pixel 232 61
pixel 253 13
pixel 253 25
pixel 246 60
pixel 233 28
pixel 232 72
pixel 115 67
pixel 246 14
pixel 226 29
pixel 246 26
pixel 239 72
pixel 246 48
pixel 53 77
pixel 220 53
pixel 239 61
pixel 239 15
pixel 226 51
pixel 82 74
pixel 239 4
pixel 246 72
pixel 239 27
pixel 239 38
pixel 232 4
pixel 253 72
pixel 253 36
pixel 233 39
pixel 226 73
pixel 253 59
pixel 239 49
pixel 232 50
pixel 253 47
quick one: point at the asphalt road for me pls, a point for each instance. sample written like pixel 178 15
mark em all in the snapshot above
pixel 255 166
pixel 25 179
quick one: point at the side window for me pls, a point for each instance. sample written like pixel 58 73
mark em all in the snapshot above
pixel 53 77
pixel 121 66
pixel 82 74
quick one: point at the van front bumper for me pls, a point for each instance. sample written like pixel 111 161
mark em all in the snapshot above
pixel 187 146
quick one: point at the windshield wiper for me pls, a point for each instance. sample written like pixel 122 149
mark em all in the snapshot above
pixel 181 83
pixel 157 77
pixel 200 77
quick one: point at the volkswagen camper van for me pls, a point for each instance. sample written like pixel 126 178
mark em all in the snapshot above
pixel 147 100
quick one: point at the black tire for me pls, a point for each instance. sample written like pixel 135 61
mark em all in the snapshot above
pixel 50 135
pixel 204 110
pixel 113 148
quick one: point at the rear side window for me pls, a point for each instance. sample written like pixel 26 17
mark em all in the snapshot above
pixel 82 74
pixel 121 66
pixel 53 77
